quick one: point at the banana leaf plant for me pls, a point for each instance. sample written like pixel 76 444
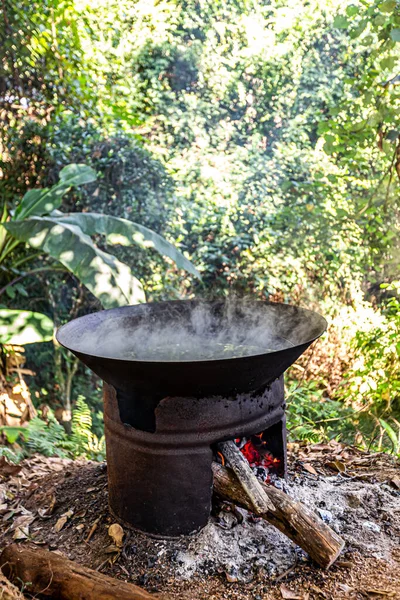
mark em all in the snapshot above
pixel 66 238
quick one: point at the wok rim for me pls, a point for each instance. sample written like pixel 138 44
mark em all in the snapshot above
pixel 64 328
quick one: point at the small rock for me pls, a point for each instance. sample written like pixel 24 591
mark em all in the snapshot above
pixel 336 527
pixel 142 579
pixel 227 520
pixel 232 576
pixel 370 526
pixel 325 515
pixel 396 482
pixel 151 561
pixel 353 500
pixel 345 588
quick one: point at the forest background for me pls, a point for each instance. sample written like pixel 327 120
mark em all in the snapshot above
pixel 261 139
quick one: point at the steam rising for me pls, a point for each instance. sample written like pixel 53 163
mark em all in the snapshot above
pixel 200 332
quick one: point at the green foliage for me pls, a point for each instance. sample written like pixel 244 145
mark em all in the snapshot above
pixel 46 436
pixel 49 42
pixel 106 277
pixel 11 456
pixel 65 238
pixel 131 182
pixel 315 418
pixel 241 128
pixel 261 139
pixel 365 408
pixel 362 131
pixel 37 202
pixel 84 442
pixel 372 384
pixel 40 202
pixel 393 435
pixel 125 233
pixel 44 73
pixel 21 327
pixel 13 433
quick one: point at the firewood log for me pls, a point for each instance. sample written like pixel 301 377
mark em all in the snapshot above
pixel 49 574
pixel 292 518
pixel 248 481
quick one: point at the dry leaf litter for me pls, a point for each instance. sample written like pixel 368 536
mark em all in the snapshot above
pixel 62 505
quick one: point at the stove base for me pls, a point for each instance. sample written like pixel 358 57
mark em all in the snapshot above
pixel 161 482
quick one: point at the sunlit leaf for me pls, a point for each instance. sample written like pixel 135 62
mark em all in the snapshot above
pixel 387 6
pixel 43 201
pixel 106 277
pixel 77 174
pixel 352 10
pixel 357 31
pixel 340 22
pixel 20 327
pixel 124 232
pixel 388 62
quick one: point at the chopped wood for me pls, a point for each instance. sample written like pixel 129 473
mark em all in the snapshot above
pixel 246 477
pixel 292 518
pixel 49 574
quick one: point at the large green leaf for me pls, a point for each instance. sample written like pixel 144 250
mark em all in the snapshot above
pixel 124 232
pixel 77 174
pixel 22 327
pixel 43 201
pixel 106 277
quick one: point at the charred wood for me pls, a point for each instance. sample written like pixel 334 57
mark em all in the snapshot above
pixel 246 477
pixel 292 518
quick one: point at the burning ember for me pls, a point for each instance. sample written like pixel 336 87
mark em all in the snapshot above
pixel 262 462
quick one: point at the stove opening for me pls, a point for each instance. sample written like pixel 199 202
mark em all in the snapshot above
pixel 257 449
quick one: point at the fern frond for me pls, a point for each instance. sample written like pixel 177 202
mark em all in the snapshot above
pixel 46 437
pixel 11 455
pixel 84 441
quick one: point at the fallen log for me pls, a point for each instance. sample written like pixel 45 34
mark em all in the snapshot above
pixel 49 574
pixel 292 518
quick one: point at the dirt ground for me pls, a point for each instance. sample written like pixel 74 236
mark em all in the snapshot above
pixel 62 506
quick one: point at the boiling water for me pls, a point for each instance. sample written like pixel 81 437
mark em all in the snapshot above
pixel 203 334
pixel 202 349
